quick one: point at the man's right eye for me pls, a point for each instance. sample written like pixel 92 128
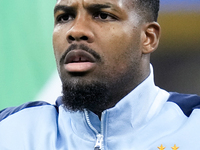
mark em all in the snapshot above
pixel 64 18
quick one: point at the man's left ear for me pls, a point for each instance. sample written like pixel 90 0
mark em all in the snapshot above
pixel 150 37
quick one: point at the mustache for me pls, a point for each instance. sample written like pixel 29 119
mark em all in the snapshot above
pixel 81 47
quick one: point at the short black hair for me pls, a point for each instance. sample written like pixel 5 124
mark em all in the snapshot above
pixel 148 8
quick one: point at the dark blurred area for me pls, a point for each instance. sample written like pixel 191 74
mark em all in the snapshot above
pixel 177 60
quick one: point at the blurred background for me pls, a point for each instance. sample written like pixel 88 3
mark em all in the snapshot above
pixel 27 65
pixel 177 60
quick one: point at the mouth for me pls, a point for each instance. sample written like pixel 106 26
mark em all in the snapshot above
pixel 79 61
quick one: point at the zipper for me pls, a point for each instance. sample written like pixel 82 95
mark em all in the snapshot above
pixel 99 142
pixel 99 136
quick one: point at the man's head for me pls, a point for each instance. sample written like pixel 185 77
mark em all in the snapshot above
pixel 102 49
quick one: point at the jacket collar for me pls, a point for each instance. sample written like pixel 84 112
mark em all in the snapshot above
pixel 134 110
pixel 130 114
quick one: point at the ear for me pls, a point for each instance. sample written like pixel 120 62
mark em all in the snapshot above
pixel 150 37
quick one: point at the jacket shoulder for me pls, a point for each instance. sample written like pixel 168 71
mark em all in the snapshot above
pixel 186 102
pixel 12 110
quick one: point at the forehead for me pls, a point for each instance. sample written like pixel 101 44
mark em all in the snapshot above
pixel 123 4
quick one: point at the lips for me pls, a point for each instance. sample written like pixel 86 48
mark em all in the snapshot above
pixel 76 56
pixel 79 61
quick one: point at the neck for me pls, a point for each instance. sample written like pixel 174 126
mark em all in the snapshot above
pixel 119 92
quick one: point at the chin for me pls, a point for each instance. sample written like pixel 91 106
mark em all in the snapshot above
pixel 79 95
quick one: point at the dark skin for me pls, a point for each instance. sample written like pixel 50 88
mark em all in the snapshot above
pixel 115 31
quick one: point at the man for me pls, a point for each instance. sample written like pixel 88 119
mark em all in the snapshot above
pixel 102 49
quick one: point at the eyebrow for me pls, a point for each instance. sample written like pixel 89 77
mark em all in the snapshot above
pixel 90 7
pixel 98 6
pixel 63 8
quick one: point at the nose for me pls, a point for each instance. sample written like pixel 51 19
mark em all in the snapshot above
pixel 80 31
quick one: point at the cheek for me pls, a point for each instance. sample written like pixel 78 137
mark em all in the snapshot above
pixel 118 44
pixel 119 36
pixel 121 47
pixel 59 43
pixel 56 39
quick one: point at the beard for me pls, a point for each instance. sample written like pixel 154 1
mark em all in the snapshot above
pixel 79 96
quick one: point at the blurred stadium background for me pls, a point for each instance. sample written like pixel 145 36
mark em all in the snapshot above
pixel 27 66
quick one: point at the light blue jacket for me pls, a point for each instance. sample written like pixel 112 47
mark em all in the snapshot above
pixel 148 118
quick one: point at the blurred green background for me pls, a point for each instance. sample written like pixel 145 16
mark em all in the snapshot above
pixel 26 54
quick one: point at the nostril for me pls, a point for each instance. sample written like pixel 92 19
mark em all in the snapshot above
pixel 71 38
pixel 84 38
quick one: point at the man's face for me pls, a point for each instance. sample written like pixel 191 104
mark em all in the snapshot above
pixel 98 41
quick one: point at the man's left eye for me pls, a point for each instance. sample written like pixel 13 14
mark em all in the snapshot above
pixel 104 16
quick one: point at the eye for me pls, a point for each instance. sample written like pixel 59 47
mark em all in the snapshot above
pixel 104 16
pixel 64 18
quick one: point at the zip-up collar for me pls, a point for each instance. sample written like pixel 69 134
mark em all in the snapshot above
pixel 125 119
pixel 99 135
pixel 131 113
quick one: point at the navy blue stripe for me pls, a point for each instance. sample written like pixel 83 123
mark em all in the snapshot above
pixel 12 110
pixel 59 101
pixel 187 102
